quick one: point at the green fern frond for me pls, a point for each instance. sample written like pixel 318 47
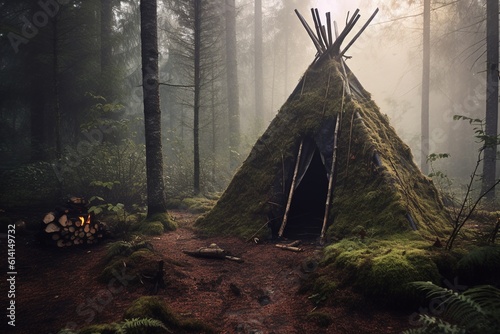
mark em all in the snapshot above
pixel 440 326
pixel 487 297
pixel 475 310
pixel 459 308
pixel 433 325
pixel 129 326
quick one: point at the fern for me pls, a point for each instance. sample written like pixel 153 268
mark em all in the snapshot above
pixel 477 310
pixel 137 325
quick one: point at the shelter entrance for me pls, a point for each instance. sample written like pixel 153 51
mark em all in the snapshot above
pixel 307 208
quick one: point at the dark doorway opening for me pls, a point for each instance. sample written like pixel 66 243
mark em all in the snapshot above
pixel 307 209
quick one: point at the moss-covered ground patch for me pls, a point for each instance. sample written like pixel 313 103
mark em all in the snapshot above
pixel 164 219
pixel 480 266
pixel 378 269
pixel 197 204
pixel 135 260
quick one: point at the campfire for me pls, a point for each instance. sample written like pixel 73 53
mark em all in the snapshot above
pixel 71 224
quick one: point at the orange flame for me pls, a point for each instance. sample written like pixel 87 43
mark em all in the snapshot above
pixel 84 221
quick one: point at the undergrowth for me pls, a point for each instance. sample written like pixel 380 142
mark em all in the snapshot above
pixel 477 310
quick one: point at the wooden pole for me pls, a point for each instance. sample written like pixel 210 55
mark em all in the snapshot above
pixel 348 87
pixel 332 170
pixel 292 186
pixel 318 29
pixel 321 28
pixel 309 32
pixel 329 27
pixel 359 33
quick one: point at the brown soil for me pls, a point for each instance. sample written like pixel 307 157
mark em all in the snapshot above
pixel 57 288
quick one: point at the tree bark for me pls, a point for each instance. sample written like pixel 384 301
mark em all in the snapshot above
pixel 489 165
pixel 197 91
pixel 55 71
pixel 232 85
pixel 424 144
pixel 106 47
pixel 152 115
pixel 258 68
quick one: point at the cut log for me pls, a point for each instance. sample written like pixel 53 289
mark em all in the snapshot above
pixel 51 228
pixel 63 220
pixel 71 225
pixel 49 217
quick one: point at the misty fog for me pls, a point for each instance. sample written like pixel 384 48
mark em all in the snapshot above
pixel 387 59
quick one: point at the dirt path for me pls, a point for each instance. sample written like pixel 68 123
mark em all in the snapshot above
pixel 58 288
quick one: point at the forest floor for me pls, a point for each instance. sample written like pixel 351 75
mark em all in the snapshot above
pixel 56 288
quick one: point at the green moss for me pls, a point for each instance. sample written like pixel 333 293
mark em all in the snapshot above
pixel 154 307
pixel 380 269
pixel 151 228
pixel 197 204
pixel 324 288
pixel 446 263
pixel 331 252
pixel 125 248
pixel 165 219
pixel 140 262
pixel 480 266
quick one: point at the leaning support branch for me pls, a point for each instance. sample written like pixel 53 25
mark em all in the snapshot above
pixel 309 32
pixel 292 186
pixel 332 169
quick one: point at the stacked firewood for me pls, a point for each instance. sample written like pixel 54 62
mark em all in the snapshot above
pixel 72 224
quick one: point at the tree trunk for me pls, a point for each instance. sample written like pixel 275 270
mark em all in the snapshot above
pixel 152 115
pixel 55 71
pixel 258 69
pixel 197 90
pixel 232 85
pixel 489 166
pixel 106 48
pixel 37 117
pixel 424 144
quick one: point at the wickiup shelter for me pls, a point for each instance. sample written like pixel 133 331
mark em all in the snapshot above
pixel 329 164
